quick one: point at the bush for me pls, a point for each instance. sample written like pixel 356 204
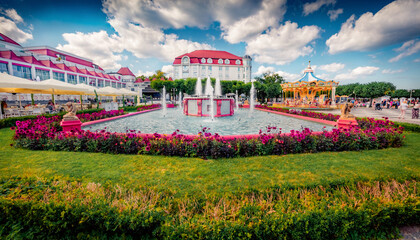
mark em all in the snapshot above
pixel 40 209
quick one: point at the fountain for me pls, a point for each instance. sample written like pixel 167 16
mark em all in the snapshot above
pixel 237 100
pixel 208 104
pixel 180 100
pixel 251 100
pixel 163 101
pixel 198 88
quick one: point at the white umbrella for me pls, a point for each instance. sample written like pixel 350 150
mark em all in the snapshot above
pixel 60 87
pixel 128 92
pixel 108 91
pixel 13 84
pixel 89 90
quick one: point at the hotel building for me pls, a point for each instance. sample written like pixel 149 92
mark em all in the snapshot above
pixel 41 63
pixel 216 64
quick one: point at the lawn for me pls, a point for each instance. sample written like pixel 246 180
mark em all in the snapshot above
pixel 197 176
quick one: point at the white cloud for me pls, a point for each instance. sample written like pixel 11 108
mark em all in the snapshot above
pixel 417 60
pixel 309 8
pixel 254 17
pixel 146 73
pixel 98 46
pixel 10 29
pixel 333 14
pixel 396 22
pixel 357 73
pixel 262 69
pixel 12 14
pixel 271 12
pixel 288 76
pixel 407 49
pixel 168 70
pixel 283 44
pixel 390 71
pixel 332 67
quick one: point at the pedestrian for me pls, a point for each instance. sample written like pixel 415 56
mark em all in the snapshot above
pixel 403 108
pixel 415 113
pixel 3 105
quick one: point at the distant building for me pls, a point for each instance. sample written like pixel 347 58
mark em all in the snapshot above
pixel 41 63
pixel 216 64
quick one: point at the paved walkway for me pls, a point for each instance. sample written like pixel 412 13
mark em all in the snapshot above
pixel 392 114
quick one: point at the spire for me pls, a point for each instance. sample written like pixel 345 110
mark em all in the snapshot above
pixel 309 69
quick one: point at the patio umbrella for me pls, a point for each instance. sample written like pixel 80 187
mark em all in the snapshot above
pixel 108 91
pixel 13 84
pixel 60 87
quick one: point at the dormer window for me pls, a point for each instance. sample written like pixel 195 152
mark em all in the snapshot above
pixel 209 60
pixel 220 61
pixel 238 62
pixel 203 60
pixel 60 57
pixel 185 60
pixel 227 61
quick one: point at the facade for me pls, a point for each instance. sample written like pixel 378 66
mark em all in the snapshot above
pixel 216 64
pixel 42 63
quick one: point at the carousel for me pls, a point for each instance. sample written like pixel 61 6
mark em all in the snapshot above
pixel 309 91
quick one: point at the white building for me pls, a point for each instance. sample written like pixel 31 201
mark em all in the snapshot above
pixel 216 64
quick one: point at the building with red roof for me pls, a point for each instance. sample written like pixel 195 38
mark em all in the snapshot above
pixel 213 63
pixel 43 62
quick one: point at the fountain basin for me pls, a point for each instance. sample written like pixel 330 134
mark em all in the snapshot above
pixel 201 106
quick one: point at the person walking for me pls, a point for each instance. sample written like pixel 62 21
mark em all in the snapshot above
pixel 415 113
pixel 403 108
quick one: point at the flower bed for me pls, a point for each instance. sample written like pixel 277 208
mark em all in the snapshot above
pixel 323 116
pixel 43 133
pixel 86 117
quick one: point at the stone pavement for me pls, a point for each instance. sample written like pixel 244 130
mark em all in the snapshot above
pixel 392 114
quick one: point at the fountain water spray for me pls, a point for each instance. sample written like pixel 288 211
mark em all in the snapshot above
pixel 251 96
pixel 218 88
pixel 198 88
pixel 237 100
pixel 211 101
pixel 164 101
pixel 209 89
pixel 180 100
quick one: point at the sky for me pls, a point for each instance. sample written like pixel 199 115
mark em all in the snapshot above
pixel 346 40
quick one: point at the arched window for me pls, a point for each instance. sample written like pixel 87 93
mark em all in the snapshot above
pixel 185 60
pixel 227 61
pixel 238 62
pixel 209 60
pixel 203 60
pixel 220 61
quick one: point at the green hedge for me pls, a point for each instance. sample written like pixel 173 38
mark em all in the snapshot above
pixel 57 209
pixel 408 126
pixel 11 122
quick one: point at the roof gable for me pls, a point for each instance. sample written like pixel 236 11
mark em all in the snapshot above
pixel 125 71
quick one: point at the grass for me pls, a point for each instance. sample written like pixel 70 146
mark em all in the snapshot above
pixel 185 176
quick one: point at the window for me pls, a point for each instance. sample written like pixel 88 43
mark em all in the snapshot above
pixel 71 79
pixel 58 76
pixel 220 61
pixel 185 60
pixel 60 57
pixel 114 84
pixel 194 69
pixel 220 72
pixel 226 72
pixel 184 75
pixel 100 83
pixel 203 71
pixel 227 61
pixel 21 71
pixel 203 60
pixel 185 68
pixel 118 85
pixel 107 83
pixel 3 67
pixel 209 60
pixel 210 70
pixel 238 62
pixel 82 79
pixel 239 73
pixel 92 82
pixel 42 74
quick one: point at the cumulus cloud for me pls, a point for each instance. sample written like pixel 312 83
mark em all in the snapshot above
pixel 333 14
pixel 263 69
pixel 396 22
pixel 283 44
pixel 9 27
pixel 168 70
pixel 390 71
pixel 98 46
pixel 332 67
pixel 254 16
pixel 146 73
pixel 309 8
pixel 417 60
pixel 288 76
pixel 407 49
pixel 357 73
pixel 12 14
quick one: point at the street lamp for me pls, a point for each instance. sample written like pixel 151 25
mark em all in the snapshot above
pixel 411 92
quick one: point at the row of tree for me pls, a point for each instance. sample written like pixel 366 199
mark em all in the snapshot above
pixel 375 90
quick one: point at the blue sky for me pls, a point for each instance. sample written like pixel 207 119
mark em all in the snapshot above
pixel 348 41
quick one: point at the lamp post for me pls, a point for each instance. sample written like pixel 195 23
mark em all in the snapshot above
pixel 411 92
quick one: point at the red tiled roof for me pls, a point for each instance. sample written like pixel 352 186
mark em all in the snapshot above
pixel 32 60
pixel 125 71
pixel 146 80
pixel 5 38
pixel 85 72
pixel 213 54
pixel 50 64
pixel 138 80
pixel 62 66
pixel 75 69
